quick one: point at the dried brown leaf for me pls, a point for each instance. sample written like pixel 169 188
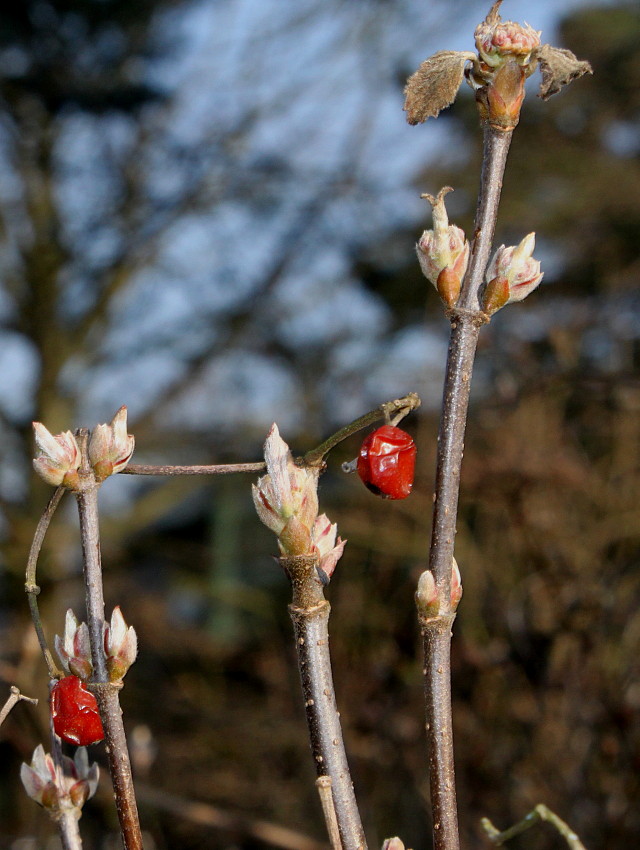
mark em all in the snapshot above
pixel 434 85
pixel 558 68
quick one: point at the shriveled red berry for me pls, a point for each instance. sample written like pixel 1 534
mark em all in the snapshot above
pixel 387 461
pixel 75 713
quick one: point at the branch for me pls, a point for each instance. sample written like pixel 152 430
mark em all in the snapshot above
pixel 466 320
pixel 31 587
pixel 14 697
pixel 214 469
pixel 106 692
pixel 309 612
pixel 390 411
pixel 539 813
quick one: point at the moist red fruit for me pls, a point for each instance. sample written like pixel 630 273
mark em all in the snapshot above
pixel 386 462
pixel 75 713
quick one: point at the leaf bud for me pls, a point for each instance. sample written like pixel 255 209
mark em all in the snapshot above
pixel 120 646
pixel 74 649
pixel 444 251
pixel 58 458
pixel 498 40
pixel 110 447
pixel 60 787
pixel 511 275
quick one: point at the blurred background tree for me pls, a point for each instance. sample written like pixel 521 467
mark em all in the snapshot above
pixel 208 212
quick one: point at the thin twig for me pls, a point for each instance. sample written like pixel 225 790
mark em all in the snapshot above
pixel 466 321
pixel 69 829
pixel 309 612
pixel 31 586
pixel 539 813
pixel 392 411
pixel 323 784
pixel 14 697
pixel 106 693
pixel 215 469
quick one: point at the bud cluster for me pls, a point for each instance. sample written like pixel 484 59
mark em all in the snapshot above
pixel 58 460
pixel 60 788
pixel 496 40
pixel 286 500
pixel 507 53
pixel 74 649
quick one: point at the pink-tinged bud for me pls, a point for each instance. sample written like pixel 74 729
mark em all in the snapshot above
pixel 74 649
pixel 427 599
pixel 287 491
pixel 325 545
pixel 58 458
pixel 456 585
pixel 498 40
pixel 120 646
pixel 517 267
pixel 110 447
pixel 60 788
pixel 393 844
pixel 444 251
pixel 41 774
pixel 427 595
pixel 507 55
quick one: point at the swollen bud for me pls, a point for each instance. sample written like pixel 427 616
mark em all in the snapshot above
pixel 427 598
pixel 498 41
pixel 511 275
pixel 443 252
pixel 110 447
pixel 286 500
pixel 58 458
pixel 448 286
pixel 120 645
pixel 74 648
pixel 60 788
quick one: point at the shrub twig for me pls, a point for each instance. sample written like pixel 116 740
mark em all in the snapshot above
pixel 539 813
pixel 309 612
pixel 106 692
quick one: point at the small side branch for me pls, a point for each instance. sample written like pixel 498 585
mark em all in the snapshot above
pixel 31 586
pixel 540 813
pixel 323 784
pixel 14 697
pixel 215 469
pixel 390 411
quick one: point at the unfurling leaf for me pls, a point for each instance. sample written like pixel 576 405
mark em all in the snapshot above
pixel 434 85
pixel 558 68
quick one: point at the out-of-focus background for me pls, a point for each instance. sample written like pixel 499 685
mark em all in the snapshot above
pixel 208 212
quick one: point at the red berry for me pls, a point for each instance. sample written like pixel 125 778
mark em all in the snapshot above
pixel 75 713
pixel 386 462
